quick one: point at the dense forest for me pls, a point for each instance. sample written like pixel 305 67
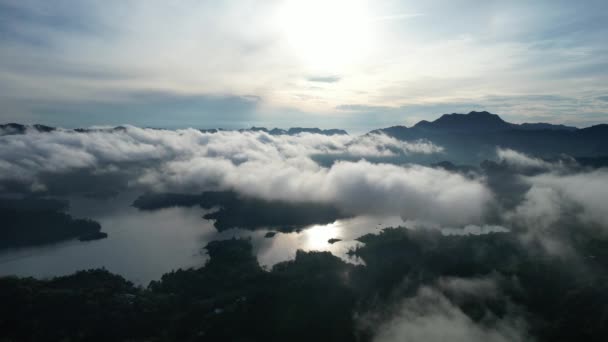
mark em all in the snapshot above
pixel 38 221
pixel 489 281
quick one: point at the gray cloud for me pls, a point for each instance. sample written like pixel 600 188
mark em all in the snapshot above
pixel 65 54
pixel 325 79
pixel 556 196
pixel 285 168
pixel 522 162
pixel 255 164
pixel 431 316
pixel 556 189
pixel 587 191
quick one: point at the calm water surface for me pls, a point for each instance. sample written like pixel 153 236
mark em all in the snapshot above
pixel 141 246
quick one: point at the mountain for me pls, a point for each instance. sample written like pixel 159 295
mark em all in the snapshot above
pixel 474 121
pixel 15 128
pixel 545 126
pixel 483 121
pixel 296 130
pixel 466 138
pixel 475 136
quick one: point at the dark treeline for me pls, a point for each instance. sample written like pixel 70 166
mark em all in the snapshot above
pixel 235 211
pixel 317 296
pixel 36 221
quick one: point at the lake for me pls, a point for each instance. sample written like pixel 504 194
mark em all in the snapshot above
pixel 143 245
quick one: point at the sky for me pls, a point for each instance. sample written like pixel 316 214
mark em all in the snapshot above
pixel 351 64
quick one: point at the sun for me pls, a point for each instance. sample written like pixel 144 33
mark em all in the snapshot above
pixel 325 34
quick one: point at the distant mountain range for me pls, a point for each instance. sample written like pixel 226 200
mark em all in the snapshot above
pixel 296 130
pixel 468 138
pixel 474 137
pixel 482 121
pixel 15 128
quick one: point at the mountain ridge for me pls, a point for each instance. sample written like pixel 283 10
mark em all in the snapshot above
pixel 17 128
pixel 475 136
pixel 483 120
pixel 472 121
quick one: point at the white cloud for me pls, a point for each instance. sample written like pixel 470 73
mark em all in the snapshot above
pixel 541 208
pixel 482 287
pixel 256 164
pixel 383 145
pixel 585 191
pixel 521 161
pixel 282 168
pixel 101 52
pixel 474 230
pixel 430 316
pixel 558 201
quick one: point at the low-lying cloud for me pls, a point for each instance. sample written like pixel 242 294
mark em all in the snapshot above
pixel 585 191
pixel 285 168
pixel 521 161
pixel 431 316
pixel 560 198
pixel 254 164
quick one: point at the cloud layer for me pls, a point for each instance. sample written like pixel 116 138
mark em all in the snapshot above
pixel 254 164
pixel 557 204
pixel 88 63
pixel 431 316
pixel 287 168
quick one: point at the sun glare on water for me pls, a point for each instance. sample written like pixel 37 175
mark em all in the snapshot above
pixel 326 34
pixel 317 236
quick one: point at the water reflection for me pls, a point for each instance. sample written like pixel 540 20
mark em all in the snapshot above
pixel 284 246
pixel 142 246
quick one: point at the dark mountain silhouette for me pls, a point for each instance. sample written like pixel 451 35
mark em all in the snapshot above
pixel 16 128
pixel 474 121
pixel 545 126
pixel 295 130
pixel 474 137
pixel 484 121
pixel 467 138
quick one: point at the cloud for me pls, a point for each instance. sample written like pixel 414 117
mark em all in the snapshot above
pixel 521 161
pixel 483 287
pixel 474 230
pixel 556 190
pixel 251 163
pixel 430 316
pixel 385 146
pixel 560 199
pixel 325 79
pixel 68 53
pixel 540 209
pixel 284 167
pixel 584 192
